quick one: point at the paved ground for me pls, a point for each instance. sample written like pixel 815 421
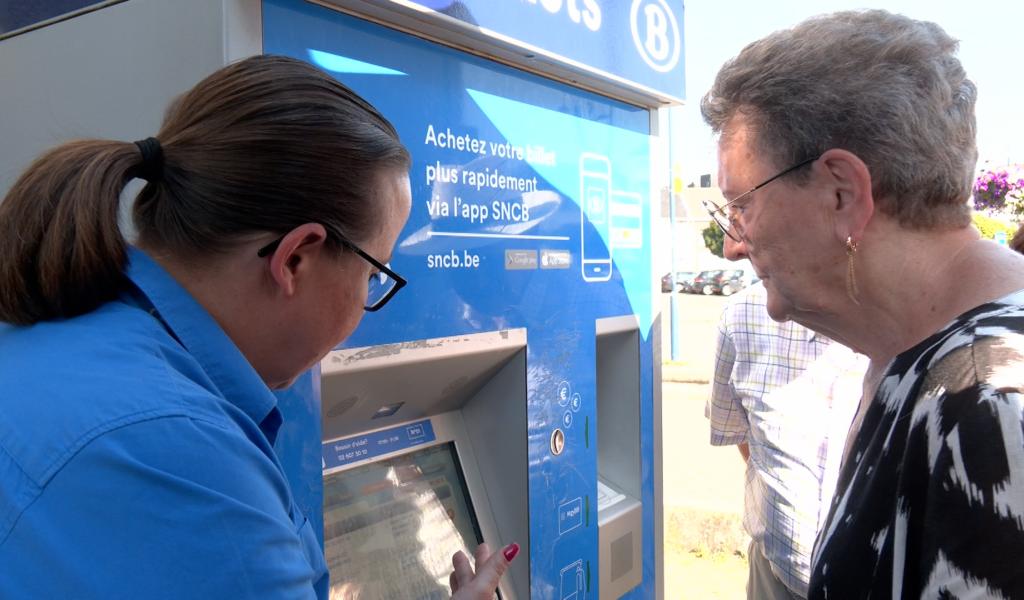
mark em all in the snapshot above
pixel 697 474
pixel 703 485
pixel 696 319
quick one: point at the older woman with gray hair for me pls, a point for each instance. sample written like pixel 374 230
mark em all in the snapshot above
pixel 846 153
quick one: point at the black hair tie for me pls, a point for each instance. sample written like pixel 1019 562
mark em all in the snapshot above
pixel 152 166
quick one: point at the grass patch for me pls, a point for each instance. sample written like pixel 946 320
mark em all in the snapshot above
pixel 705 555
pixel 705 534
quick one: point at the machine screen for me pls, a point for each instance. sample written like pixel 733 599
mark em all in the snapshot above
pixel 392 526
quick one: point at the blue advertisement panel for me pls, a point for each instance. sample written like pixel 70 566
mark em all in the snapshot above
pixel 528 196
pixel 531 209
pixel 640 41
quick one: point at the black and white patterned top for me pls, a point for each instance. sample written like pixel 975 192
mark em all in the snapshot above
pixel 930 500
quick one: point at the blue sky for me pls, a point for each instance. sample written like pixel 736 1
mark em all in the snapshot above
pixel 991 50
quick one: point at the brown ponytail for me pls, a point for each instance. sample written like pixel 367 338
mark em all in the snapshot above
pixel 263 145
pixel 61 251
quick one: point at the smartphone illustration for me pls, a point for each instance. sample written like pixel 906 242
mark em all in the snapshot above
pixel 595 238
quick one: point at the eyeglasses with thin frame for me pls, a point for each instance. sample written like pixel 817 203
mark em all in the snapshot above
pixel 727 215
pixel 383 284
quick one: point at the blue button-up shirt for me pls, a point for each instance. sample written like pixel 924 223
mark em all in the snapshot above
pixel 136 459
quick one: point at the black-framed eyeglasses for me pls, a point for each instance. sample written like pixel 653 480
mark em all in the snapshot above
pixel 727 215
pixel 383 284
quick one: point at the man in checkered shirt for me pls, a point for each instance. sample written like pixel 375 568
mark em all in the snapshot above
pixel 785 396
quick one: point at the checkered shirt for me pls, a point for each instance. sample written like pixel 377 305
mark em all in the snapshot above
pixel 790 394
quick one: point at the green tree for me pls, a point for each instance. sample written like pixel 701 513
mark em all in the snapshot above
pixel 714 237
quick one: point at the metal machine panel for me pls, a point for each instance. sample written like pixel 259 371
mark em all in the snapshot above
pixel 531 209
pixel 109 74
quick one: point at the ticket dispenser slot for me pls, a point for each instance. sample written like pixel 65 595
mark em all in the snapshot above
pixel 619 508
pixel 472 389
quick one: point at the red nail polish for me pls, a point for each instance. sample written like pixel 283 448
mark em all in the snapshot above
pixel 511 551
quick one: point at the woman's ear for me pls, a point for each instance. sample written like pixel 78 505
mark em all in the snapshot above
pixel 853 203
pixel 291 261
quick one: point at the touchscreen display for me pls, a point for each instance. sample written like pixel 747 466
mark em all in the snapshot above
pixel 392 526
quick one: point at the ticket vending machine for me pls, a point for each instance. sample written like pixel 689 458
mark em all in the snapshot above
pixel 511 392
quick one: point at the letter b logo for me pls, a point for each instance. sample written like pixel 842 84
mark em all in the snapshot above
pixel 655 34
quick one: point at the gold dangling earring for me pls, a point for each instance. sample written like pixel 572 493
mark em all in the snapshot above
pixel 851 279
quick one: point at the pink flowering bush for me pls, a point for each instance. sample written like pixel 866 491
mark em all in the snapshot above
pixel 996 190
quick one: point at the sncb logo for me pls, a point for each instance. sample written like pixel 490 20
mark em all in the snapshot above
pixel 656 34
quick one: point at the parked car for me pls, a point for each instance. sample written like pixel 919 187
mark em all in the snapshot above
pixel 684 284
pixel 701 284
pixel 681 278
pixel 729 281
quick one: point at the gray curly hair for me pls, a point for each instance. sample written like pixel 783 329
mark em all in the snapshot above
pixel 883 86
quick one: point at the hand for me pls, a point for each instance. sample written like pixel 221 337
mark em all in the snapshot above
pixel 490 567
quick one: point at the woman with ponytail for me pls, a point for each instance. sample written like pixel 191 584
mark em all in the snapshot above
pixel 137 421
